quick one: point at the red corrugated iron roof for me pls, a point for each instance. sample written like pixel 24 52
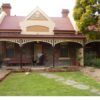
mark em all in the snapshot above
pixel 62 23
pixel 13 22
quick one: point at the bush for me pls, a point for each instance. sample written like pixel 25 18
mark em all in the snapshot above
pixel 89 57
pixel 91 60
pixel 96 62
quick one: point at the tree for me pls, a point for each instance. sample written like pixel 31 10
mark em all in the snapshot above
pixel 99 22
pixel 87 15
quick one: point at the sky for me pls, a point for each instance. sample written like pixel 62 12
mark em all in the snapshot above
pixel 52 8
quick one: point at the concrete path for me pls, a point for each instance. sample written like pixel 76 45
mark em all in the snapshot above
pixel 72 83
pixel 4 73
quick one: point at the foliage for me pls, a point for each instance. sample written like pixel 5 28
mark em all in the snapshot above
pixel 93 35
pixel 87 13
pixel 89 58
pixel 99 23
pixel 96 62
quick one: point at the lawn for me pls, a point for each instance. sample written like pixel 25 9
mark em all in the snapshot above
pixel 79 77
pixel 19 84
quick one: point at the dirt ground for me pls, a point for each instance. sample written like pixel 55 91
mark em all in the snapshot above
pixel 4 73
pixel 92 72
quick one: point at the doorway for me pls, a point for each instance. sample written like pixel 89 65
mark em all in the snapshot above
pixel 37 50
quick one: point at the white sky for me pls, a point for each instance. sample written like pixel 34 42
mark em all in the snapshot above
pixel 51 7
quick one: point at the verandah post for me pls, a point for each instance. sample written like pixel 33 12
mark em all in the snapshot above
pixel 53 53
pixel 21 57
pixel 20 41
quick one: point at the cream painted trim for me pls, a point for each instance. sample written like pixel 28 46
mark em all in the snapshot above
pixel 2 16
pixel 64 58
pixel 38 33
pixel 27 23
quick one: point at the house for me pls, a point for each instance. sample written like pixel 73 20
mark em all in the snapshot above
pixel 23 39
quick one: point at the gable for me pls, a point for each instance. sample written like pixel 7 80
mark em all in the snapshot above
pixel 37 23
pixel 37 16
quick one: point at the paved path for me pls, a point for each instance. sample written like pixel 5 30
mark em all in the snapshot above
pixel 72 83
pixel 4 73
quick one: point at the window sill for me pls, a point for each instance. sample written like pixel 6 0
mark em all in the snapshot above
pixel 64 58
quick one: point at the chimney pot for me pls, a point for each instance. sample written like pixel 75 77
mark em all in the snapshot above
pixel 65 12
pixel 6 7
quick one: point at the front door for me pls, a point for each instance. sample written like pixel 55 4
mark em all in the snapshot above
pixel 37 50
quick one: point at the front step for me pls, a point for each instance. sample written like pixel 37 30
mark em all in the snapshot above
pixel 44 69
pixel 27 69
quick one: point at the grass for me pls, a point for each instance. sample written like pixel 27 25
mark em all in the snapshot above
pixel 79 77
pixel 19 84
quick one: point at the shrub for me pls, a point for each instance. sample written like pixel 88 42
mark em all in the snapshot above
pixel 89 57
pixel 96 62
pixel 91 60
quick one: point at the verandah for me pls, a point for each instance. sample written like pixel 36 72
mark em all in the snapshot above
pixel 63 53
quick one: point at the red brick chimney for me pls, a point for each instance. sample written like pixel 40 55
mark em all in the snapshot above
pixel 65 12
pixel 6 8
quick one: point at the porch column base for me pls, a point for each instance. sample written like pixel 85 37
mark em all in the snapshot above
pixel 81 56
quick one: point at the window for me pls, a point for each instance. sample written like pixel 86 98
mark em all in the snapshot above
pixel 63 50
pixel 10 50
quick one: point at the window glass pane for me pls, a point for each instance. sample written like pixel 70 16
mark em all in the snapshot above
pixel 63 50
pixel 10 52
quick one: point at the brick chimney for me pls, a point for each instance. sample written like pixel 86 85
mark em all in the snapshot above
pixel 6 8
pixel 65 12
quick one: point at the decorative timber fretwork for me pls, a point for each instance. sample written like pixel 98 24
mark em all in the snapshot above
pixel 56 41
pixel 17 41
pixel 24 41
pixel 52 41
pixel 90 41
